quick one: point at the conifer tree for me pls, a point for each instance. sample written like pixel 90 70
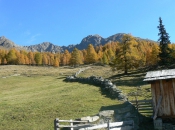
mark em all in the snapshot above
pixel 127 55
pixel 11 56
pixel 164 54
pixel 5 61
pixel 38 58
pixel 31 58
pixel 75 57
pixel 105 59
pixel 66 57
pixel 91 56
pixel 56 62
pixel 44 59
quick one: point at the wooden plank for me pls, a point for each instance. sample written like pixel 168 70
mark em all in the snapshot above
pixel 69 121
pixel 145 105
pixel 174 86
pixel 173 90
pixel 123 128
pixel 158 105
pixel 158 94
pixel 145 101
pixel 76 126
pixel 162 109
pixel 145 109
pixel 95 127
pixel 171 97
pixel 145 112
pixel 114 124
pixel 166 97
pixel 153 96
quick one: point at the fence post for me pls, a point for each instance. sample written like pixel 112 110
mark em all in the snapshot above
pixel 108 125
pixel 56 124
pixel 71 124
pixel 137 105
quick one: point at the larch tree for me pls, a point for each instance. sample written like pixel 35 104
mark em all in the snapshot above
pixel 127 55
pixel 56 62
pixel 84 52
pixel 11 57
pixel 164 54
pixel 91 56
pixel 44 59
pixel 5 61
pixel 30 56
pixel 75 57
pixel 105 59
pixel 38 58
pixel 66 57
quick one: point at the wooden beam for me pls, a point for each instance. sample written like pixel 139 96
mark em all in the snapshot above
pixel 173 85
pixel 158 105
pixel 153 93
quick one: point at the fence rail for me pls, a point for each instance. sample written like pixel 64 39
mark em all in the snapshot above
pixel 124 125
pixel 143 106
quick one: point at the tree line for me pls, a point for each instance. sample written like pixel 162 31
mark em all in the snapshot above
pixel 128 54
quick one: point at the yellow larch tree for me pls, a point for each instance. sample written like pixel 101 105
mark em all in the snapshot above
pixel 91 56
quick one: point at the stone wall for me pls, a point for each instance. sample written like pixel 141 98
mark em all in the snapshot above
pixel 125 113
pixel 105 84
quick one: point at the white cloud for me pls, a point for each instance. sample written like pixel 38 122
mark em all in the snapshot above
pixel 32 38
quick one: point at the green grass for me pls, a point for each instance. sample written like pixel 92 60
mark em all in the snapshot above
pixel 34 99
pixel 34 102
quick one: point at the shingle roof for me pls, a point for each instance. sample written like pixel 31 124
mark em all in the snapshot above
pixel 161 74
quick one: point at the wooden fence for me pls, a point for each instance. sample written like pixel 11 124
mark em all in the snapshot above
pixel 124 125
pixel 143 106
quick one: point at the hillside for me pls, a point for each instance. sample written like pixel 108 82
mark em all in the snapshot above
pixel 95 40
pixel 39 95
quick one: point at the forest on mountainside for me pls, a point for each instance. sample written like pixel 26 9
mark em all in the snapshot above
pixel 139 53
pixel 130 53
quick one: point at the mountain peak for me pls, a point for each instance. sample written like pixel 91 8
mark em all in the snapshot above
pixel 95 40
pixel 2 37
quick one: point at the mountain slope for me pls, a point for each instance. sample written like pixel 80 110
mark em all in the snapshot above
pixel 7 44
pixel 44 47
pixel 95 40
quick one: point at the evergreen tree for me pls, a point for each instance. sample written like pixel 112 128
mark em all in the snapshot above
pixel 164 54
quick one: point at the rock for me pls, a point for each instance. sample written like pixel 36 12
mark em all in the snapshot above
pixel 124 110
pixel 106 113
pixel 90 119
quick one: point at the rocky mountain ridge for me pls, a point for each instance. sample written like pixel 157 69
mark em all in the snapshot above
pixel 95 40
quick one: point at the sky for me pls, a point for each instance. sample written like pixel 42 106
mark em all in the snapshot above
pixel 66 22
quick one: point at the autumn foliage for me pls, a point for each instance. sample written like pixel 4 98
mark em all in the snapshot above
pixel 128 54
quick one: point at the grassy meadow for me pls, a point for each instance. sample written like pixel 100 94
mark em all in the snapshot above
pixel 32 97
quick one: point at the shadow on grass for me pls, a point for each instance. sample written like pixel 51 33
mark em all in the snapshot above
pixel 133 78
pixel 112 107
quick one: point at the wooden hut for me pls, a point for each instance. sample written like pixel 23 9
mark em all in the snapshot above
pixel 163 92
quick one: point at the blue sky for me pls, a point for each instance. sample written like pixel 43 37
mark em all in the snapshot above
pixel 65 22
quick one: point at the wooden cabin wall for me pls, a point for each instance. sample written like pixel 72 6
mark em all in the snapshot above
pixel 166 88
